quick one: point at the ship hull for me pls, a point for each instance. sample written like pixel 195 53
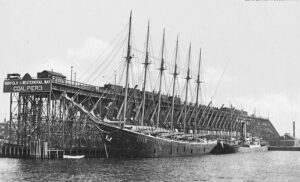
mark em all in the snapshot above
pixel 130 144
pixel 224 148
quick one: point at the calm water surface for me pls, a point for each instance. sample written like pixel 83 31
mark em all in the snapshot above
pixel 265 166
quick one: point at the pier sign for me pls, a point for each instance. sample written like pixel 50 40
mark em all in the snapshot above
pixel 34 85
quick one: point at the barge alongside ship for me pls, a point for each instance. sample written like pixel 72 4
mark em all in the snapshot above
pixel 243 144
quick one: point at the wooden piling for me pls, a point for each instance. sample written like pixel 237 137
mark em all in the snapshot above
pixel 38 149
pixel 13 151
pixel 45 147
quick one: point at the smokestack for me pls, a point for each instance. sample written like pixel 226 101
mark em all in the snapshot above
pixel 294 129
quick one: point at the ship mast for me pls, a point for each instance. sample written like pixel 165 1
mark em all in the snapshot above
pixel 128 59
pixel 174 81
pixel 146 63
pixel 198 88
pixel 186 90
pixel 161 70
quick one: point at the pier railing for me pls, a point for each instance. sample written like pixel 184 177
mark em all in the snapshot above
pixel 78 85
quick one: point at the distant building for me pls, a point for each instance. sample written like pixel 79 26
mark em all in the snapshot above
pixel 287 140
pixel 54 76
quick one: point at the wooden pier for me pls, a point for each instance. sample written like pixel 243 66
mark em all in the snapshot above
pixel 42 124
pixel 15 151
pixel 283 148
pixel 40 150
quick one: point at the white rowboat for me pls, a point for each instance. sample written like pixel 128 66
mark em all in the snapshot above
pixel 73 156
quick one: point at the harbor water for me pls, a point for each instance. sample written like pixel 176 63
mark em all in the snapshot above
pixel 261 166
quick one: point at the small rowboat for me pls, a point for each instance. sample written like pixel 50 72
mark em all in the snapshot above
pixel 73 156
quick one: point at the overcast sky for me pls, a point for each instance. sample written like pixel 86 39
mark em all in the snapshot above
pixel 254 43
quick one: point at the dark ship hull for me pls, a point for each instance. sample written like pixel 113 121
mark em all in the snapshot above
pixel 121 142
pixel 225 148
pixel 228 148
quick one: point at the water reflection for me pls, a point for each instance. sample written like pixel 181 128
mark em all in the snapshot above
pixel 266 166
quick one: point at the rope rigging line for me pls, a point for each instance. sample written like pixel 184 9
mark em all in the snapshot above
pixel 157 81
pixel 111 73
pixel 96 60
pixel 177 89
pixel 219 82
pixel 201 99
pixel 97 69
pixel 132 76
pixel 150 75
pixel 141 74
pixel 135 63
pixel 150 80
pixel 182 94
pixel 170 85
pixel 107 59
pixel 205 99
pixel 106 64
pixel 111 76
pixel 140 78
pixel 166 84
pixel 121 75
pixel 151 48
pixel 192 94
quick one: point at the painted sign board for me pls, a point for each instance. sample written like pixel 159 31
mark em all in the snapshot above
pixel 34 85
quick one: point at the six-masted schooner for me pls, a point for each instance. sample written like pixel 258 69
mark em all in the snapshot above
pixel 122 139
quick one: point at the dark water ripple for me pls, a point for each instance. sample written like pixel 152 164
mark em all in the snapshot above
pixel 266 166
